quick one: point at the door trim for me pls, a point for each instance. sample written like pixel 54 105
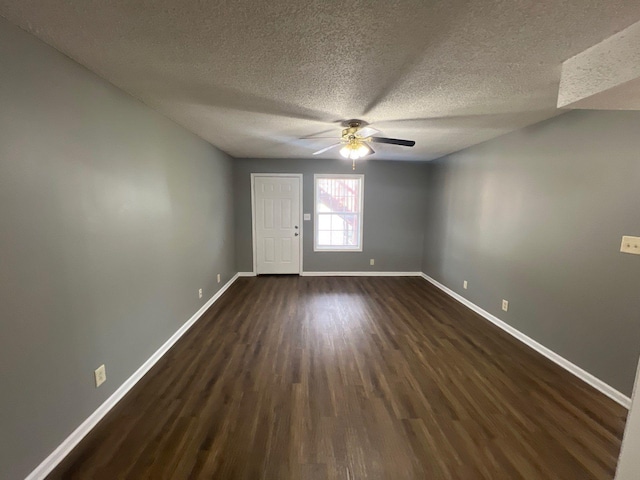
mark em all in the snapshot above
pixel 253 215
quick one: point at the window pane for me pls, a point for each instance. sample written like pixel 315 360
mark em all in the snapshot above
pixel 324 221
pixel 338 209
pixel 324 238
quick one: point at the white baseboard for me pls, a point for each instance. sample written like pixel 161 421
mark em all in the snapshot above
pixel 246 274
pixel 361 274
pixel 595 382
pixel 346 274
pixel 79 433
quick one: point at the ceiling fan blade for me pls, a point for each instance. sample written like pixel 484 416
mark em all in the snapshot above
pixel 393 141
pixel 326 149
pixel 365 132
pixel 318 138
pixel 371 150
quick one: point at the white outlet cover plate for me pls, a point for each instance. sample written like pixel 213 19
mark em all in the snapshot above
pixel 505 305
pixel 307 216
pixel 630 245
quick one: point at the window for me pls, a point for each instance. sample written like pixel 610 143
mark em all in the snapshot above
pixel 338 211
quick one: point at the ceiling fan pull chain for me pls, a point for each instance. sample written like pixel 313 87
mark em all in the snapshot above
pixel 353 166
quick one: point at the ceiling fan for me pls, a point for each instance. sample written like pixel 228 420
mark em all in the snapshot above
pixel 356 139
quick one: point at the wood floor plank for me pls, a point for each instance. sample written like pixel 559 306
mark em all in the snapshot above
pixel 343 378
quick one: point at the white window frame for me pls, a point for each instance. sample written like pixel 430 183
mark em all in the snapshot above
pixel 360 214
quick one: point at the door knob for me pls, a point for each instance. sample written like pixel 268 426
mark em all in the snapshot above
pixel 296 227
pixel 296 234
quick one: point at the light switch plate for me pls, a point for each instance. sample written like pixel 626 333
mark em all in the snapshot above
pixel 100 375
pixel 630 245
pixel 307 216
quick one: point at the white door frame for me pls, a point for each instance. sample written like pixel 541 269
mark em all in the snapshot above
pixel 253 215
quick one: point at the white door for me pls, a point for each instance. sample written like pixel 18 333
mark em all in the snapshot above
pixel 277 213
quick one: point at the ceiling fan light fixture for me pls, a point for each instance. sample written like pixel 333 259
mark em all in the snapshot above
pixel 345 151
pixel 362 150
pixel 354 150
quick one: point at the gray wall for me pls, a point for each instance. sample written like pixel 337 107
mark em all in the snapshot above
pixel 392 223
pixel 111 218
pixel 536 217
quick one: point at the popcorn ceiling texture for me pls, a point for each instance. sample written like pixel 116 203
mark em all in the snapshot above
pixel 605 76
pixel 252 77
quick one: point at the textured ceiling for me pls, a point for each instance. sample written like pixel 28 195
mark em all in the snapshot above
pixel 252 77
pixel 605 76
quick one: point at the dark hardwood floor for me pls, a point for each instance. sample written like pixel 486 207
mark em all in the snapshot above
pixel 351 378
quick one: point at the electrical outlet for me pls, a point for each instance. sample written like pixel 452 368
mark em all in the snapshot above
pixel 464 284
pixel 630 245
pixel 218 278
pixel 100 375
pixel 372 261
pixel 200 293
pixel 505 305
